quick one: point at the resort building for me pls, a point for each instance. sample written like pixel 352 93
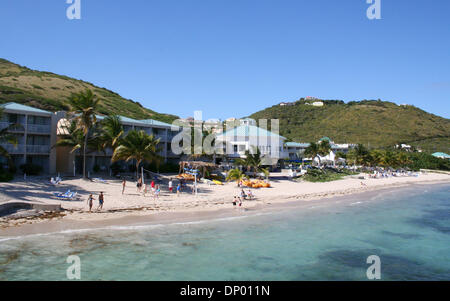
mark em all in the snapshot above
pixel 39 130
pixel 67 162
pixel 296 150
pixel 249 137
pixel 35 133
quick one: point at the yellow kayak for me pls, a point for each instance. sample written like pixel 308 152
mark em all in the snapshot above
pixel 217 182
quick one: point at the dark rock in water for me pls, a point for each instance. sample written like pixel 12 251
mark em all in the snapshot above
pixel 393 267
pixel 402 235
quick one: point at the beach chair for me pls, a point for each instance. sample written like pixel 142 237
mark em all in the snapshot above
pixel 59 195
pixel 70 196
pixel 100 180
pixel 55 182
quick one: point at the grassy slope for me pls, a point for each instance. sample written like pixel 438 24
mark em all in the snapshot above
pixel 382 124
pixel 50 92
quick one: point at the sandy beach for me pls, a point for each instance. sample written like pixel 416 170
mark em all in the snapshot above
pixel 212 200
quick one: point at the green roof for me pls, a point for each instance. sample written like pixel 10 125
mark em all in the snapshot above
pixel 296 144
pixel 156 122
pixel 249 130
pixel 18 107
pixel 146 122
pixel 443 155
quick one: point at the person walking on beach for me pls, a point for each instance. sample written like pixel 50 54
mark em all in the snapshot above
pixel 90 202
pixel 157 192
pixel 240 203
pixel 124 184
pixel 235 201
pixel 179 189
pixel 170 186
pixel 145 189
pixel 139 185
pixel 101 201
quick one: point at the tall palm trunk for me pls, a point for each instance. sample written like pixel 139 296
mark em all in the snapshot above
pixel 84 156
pixel 137 168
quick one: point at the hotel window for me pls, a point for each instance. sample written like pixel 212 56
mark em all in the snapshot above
pixel 235 147
pixel 12 118
pixel 37 120
pixel 38 140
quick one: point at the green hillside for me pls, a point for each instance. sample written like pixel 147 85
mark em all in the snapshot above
pixel 49 91
pixel 375 123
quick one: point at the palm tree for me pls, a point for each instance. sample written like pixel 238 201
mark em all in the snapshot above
pixel 235 175
pixel 139 146
pixel 74 137
pixel 7 137
pixel 111 132
pixel 252 161
pixel 316 150
pixel 359 154
pixel 376 157
pixel 403 159
pixel 84 106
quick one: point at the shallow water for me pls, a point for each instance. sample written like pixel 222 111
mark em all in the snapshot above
pixel 409 229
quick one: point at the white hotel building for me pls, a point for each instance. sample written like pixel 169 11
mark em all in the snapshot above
pixel 248 137
pixel 39 131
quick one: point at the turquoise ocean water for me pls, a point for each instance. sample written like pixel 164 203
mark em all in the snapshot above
pixel 409 229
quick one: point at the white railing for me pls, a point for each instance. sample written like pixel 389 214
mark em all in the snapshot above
pixel 19 128
pixel 11 149
pixel 36 128
pixel 38 149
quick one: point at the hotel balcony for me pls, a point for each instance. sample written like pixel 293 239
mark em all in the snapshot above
pixel 108 153
pixel 38 149
pixel 39 129
pixel 30 149
pixel 11 149
pixel 20 128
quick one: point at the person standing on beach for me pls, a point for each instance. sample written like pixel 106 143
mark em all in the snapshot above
pixel 170 186
pixel 90 202
pixel 124 184
pixel 157 192
pixel 179 189
pixel 235 201
pixel 145 190
pixel 139 185
pixel 101 201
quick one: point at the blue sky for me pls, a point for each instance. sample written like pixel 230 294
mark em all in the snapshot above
pixel 230 58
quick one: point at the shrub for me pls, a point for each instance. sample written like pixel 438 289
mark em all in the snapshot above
pixel 31 169
pixel 163 168
pixel 427 161
pixel 326 175
pixel 6 176
pixel 116 168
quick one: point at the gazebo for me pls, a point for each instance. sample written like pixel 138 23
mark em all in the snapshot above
pixel 201 166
